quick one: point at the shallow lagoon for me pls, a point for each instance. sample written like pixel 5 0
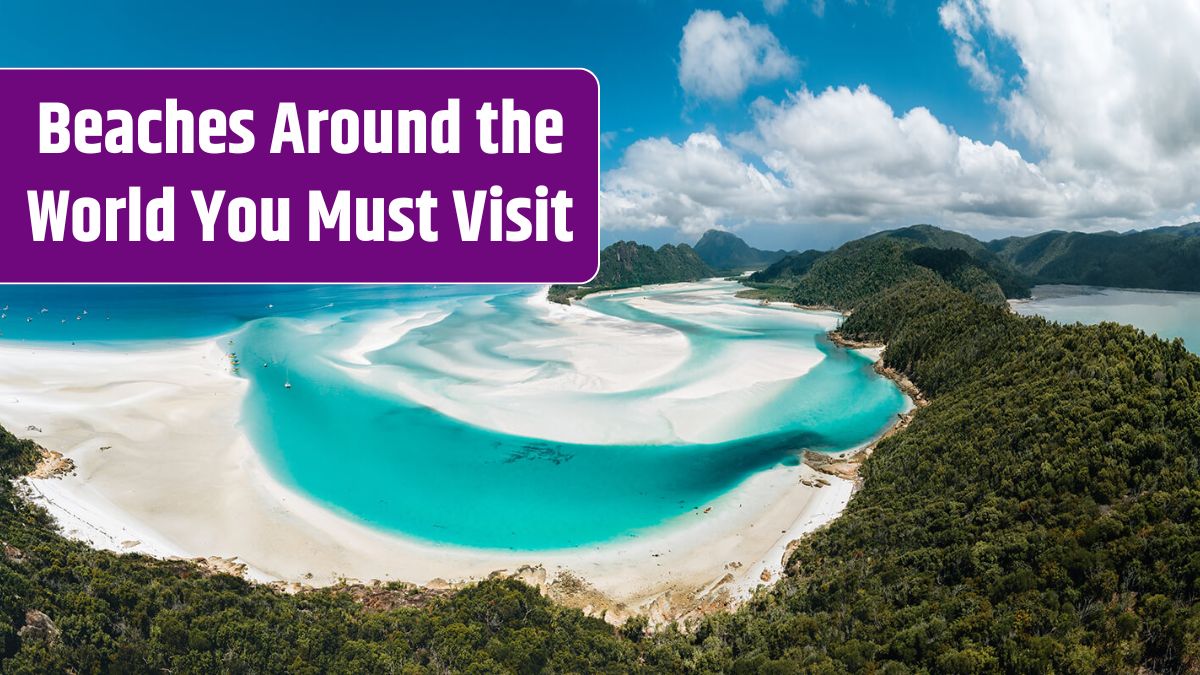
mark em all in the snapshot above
pixel 344 436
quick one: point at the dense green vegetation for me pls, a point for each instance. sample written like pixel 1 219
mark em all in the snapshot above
pixel 727 252
pixel 934 237
pixel 626 264
pixel 787 269
pixel 1041 515
pixel 109 613
pixel 1014 283
pixel 863 268
pixel 856 271
pixel 1166 258
pixel 860 269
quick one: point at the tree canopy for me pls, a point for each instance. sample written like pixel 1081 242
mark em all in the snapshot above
pixel 627 264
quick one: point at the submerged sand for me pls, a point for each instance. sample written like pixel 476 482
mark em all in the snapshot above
pixel 595 356
pixel 162 467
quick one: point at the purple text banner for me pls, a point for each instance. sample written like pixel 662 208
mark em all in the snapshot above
pixel 299 176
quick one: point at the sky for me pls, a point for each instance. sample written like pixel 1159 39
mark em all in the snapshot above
pixel 795 123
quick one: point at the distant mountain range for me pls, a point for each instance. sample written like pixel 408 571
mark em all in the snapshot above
pixel 1165 258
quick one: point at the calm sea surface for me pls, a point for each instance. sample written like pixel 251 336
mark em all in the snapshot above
pixel 1167 314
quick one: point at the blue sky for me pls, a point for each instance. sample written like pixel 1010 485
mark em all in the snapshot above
pixel 907 53
pixel 631 45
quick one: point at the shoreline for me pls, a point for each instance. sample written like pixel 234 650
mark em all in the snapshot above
pixel 847 464
pixel 876 348
pixel 213 501
pixel 658 574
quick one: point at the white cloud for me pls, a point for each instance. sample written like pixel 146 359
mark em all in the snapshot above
pixel 720 57
pixel 961 18
pixel 690 186
pixel 1109 93
pixel 1105 92
pixel 775 6
pixel 850 155
pixel 841 156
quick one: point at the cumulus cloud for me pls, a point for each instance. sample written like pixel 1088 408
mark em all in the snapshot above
pixel 851 155
pixel 1110 88
pixel 1110 95
pixel 1107 96
pixel 775 6
pixel 720 57
pixel 690 186
pixel 841 156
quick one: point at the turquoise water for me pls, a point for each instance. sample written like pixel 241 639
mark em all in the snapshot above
pixel 377 456
pixel 1167 314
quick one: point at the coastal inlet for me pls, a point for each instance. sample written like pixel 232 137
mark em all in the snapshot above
pixel 489 418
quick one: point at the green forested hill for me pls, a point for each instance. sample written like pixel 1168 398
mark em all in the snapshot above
pixel 935 237
pixel 787 269
pixel 1014 282
pixel 1040 515
pixel 1166 258
pixel 626 264
pixel 856 270
pixel 860 268
pixel 726 251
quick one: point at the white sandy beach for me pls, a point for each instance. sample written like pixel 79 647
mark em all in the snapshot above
pixel 163 468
